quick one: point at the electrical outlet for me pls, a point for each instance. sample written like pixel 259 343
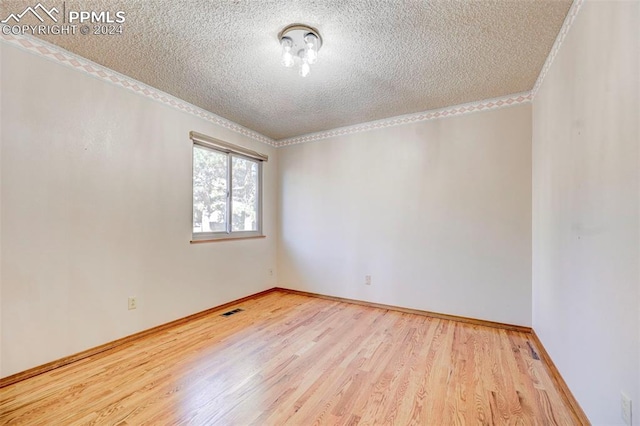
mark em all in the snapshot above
pixel 367 280
pixel 270 272
pixel 626 408
pixel 133 303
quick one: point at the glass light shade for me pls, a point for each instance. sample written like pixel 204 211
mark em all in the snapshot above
pixel 287 57
pixel 305 69
pixel 311 52
pixel 311 55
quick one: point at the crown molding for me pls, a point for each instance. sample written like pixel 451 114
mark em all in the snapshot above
pixel 562 34
pixel 462 109
pixel 62 56
pixel 66 58
pixel 484 105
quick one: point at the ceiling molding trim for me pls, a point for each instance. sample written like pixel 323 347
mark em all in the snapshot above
pixel 562 34
pixel 457 110
pixel 66 58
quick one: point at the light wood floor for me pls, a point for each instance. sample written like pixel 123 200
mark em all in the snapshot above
pixel 291 359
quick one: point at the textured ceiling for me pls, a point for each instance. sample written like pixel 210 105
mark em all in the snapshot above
pixel 380 58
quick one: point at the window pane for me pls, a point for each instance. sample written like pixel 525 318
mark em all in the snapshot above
pixel 209 190
pixel 244 190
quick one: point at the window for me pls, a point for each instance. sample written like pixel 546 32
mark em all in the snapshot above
pixel 227 190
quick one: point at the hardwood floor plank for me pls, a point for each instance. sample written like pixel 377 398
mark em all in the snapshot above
pixel 293 359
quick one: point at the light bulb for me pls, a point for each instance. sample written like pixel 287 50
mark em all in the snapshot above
pixel 311 52
pixel 304 68
pixel 287 57
pixel 312 56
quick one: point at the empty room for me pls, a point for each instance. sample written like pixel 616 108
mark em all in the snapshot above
pixel 319 212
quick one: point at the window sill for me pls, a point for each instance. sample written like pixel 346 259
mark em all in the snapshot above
pixel 215 240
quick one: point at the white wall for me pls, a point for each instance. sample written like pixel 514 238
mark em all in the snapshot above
pixel 586 278
pixel 96 207
pixel 439 213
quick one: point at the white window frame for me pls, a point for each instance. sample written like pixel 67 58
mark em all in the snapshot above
pixel 230 151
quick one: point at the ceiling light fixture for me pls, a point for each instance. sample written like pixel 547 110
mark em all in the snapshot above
pixel 300 43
